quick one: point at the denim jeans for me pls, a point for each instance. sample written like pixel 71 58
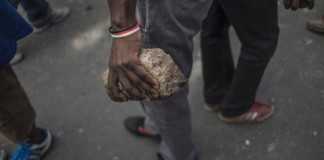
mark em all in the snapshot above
pixel 17 116
pixel 256 24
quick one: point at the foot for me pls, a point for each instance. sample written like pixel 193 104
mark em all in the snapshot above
pixel 316 25
pixel 17 58
pixel 213 107
pixel 258 113
pixel 30 151
pixel 135 125
pixel 55 16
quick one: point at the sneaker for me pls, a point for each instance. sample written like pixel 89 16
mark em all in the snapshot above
pixel 135 125
pixel 259 112
pixel 55 16
pixel 17 58
pixel 28 151
pixel 316 25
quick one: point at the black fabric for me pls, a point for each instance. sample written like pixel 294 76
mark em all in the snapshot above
pixel 256 24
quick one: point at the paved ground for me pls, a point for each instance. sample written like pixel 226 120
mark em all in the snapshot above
pixel 62 76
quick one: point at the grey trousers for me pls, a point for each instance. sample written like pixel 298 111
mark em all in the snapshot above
pixel 171 119
pixel 171 26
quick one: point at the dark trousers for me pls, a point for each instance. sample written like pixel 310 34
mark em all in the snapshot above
pixel 37 10
pixel 256 24
pixel 17 117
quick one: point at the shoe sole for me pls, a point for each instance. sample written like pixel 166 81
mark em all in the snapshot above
pixel 226 120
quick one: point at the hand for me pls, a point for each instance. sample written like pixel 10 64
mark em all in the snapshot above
pixel 128 79
pixel 297 4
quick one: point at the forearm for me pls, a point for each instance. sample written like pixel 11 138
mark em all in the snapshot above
pixel 123 13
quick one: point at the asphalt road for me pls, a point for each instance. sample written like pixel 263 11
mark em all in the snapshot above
pixel 62 71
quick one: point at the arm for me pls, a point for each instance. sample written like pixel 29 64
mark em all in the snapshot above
pixel 123 13
pixel 125 67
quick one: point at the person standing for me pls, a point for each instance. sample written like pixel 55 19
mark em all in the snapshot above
pixel 170 25
pixel 17 117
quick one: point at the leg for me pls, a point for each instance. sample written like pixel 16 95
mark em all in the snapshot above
pixel 17 117
pixel 172 119
pixel 217 60
pixel 256 22
pixel 171 26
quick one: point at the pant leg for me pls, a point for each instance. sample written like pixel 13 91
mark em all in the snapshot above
pixel 256 23
pixel 36 10
pixel 17 117
pixel 217 60
pixel 172 119
pixel 171 26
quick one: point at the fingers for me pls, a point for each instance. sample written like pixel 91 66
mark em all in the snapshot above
pixel 128 88
pixel 143 74
pixel 113 89
pixel 145 89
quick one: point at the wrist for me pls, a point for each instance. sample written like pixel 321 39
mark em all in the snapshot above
pixel 125 32
pixel 121 25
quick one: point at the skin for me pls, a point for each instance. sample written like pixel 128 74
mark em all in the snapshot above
pixel 126 69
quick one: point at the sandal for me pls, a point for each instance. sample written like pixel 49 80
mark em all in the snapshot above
pixel 135 125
